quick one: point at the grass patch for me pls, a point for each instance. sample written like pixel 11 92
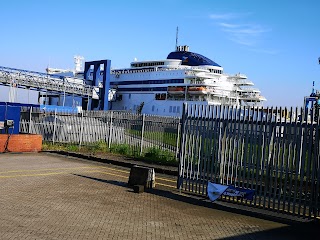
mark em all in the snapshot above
pixel 150 155
pixel 159 156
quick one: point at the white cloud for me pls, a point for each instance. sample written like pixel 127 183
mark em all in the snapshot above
pixel 226 16
pixel 247 34
pixel 249 29
pixel 228 25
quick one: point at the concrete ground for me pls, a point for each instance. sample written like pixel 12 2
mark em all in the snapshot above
pixel 47 196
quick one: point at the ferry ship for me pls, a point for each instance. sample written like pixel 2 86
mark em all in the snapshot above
pixel 160 87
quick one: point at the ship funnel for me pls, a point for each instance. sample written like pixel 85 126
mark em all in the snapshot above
pixel 184 48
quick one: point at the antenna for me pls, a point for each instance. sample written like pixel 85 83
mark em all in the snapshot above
pixel 312 93
pixel 177 38
pixel 313 86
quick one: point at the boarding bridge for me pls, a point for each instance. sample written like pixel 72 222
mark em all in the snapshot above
pixel 43 82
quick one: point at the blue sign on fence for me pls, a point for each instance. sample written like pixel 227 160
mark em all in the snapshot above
pixel 215 190
pixel 239 192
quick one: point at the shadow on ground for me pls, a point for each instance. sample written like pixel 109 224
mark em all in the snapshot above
pixel 295 230
pixel 301 231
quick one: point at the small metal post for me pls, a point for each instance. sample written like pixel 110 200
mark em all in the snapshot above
pixel 64 95
pixel 178 135
pixel 142 133
pixel 54 125
pixel 81 130
pixel 110 130
pixel 88 103
pixel 30 121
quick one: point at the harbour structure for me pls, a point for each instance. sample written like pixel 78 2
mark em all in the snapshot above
pixel 47 85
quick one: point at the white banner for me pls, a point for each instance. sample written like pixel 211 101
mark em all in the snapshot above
pixel 215 190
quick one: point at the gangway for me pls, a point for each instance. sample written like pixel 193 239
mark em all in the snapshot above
pixel 45 82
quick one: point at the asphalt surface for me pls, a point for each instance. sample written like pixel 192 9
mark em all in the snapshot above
pixel 51 196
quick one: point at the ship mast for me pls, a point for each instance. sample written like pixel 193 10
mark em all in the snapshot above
pixel 177 39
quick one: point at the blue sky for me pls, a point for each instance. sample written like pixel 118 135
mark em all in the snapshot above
pixel 275 43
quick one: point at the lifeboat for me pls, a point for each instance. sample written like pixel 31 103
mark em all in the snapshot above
pixel 197 90
pixel 176 90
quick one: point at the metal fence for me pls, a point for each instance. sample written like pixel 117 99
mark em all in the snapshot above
pixel 274 152
pixel 139 132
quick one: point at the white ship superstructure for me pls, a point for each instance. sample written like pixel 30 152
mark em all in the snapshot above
pixel 161 87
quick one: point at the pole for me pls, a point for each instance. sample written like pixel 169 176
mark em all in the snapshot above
pixel 30 121
pixel 88 103
pixel 110 130
pixel 176 39
pixel 81 130
pixel 64 95
pixel 178 136
pixel 54 125
pixel 142 133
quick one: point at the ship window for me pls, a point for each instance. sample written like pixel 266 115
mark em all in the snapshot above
pixel 129 95
pixel 153 108
pixel 160 96
pixel 170 109
pixel 178 109
pixel 119 97
pixel 174 109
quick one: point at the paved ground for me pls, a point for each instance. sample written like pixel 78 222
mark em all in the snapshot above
pixel 46 196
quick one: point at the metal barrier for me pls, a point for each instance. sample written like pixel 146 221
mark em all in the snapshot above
pixel 270 151
pixel 138 132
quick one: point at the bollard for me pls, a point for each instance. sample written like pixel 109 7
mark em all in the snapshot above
pixel 141 175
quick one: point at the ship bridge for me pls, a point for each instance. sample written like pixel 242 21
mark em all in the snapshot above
pixel 44 82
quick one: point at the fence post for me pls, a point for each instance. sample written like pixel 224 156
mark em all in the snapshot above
pixel 81 130
pixel 110 130
pixel 142 132
pixel 30 120
pixel 177 143
pixel 182 147
pixel 54 125
pixel 223 139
